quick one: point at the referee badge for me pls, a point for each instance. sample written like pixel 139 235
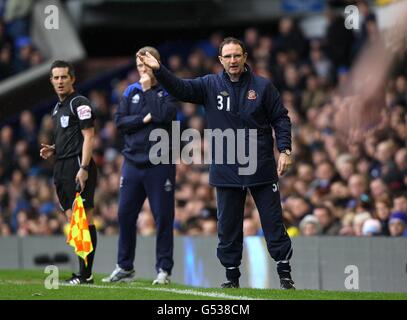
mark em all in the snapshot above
pixel 64 121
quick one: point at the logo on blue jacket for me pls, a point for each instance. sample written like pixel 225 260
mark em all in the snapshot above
pixel 168 185
pixel 136 99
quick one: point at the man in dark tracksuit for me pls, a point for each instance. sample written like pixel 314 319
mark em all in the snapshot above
pixel 238 99
pixel 74 133
pixel 145 106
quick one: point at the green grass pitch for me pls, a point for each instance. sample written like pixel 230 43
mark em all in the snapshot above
pixel 29 285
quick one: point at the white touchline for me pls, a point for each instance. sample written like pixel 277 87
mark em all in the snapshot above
pixel 178 291
pixel 197 293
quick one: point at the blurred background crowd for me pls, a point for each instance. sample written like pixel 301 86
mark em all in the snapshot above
pixel 17 51
pixel 335 188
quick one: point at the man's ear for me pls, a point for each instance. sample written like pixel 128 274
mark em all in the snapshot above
pixel 245 56
pixel 220 59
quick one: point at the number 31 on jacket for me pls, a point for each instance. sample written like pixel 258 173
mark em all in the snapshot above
pixel 221 102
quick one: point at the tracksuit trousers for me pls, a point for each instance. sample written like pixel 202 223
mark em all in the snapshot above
pixel 231 203
pixel 156 183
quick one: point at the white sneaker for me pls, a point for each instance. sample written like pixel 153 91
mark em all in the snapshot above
pixel 120 275
pixel 162 278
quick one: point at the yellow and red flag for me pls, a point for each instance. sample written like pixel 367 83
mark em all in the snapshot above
pixel 78 232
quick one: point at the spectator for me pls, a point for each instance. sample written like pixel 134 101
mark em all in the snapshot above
pixel 325 175
pixel 358 222
pixel 347 224
pixel 328 224
pixel 6 62
pixel 313 95
pixel 291 38
pixel 382 213
pixel 400 159
pixel 251 39
pixel 344 166
pixel 367 18
pixel 322 66
pixel 340 194
pixel 28 131
pixel 358 190
pixel 398 224
pixel 299 208
pixel 310 226
pixel 305 172
pixel 371 227
pixel 338 40
pixel 378 189
pixel 400 202
pixel 24 49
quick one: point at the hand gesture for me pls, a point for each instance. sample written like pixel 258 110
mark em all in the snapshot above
pixel 149 61
pixel 46 151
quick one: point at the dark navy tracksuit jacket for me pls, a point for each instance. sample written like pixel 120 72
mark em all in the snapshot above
pixel 251 103
pixel 140 178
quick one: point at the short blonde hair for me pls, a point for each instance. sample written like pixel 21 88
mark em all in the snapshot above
pixel 153 51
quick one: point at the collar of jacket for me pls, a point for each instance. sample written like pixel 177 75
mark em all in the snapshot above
pixel 243 77
pixel 68 98
pixel 138 86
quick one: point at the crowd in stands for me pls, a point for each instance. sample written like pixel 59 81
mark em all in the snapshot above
pixel 334 188
pixel 17 51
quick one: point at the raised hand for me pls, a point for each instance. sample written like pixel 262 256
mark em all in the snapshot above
pixel 149 61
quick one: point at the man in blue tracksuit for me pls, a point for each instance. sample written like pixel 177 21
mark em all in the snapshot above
pixel 237 99
pixel 145 106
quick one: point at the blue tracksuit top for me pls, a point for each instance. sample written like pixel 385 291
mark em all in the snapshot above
pixel 251 103
pixel 134 106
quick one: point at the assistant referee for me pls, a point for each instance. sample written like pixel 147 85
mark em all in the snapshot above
pixel 74 133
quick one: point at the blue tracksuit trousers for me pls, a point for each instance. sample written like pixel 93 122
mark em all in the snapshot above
pixel 157 184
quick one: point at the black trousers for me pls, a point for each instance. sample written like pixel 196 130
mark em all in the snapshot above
pixel 231 203
pixel 65 171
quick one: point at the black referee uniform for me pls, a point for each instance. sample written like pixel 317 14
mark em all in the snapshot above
pixel 71 116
